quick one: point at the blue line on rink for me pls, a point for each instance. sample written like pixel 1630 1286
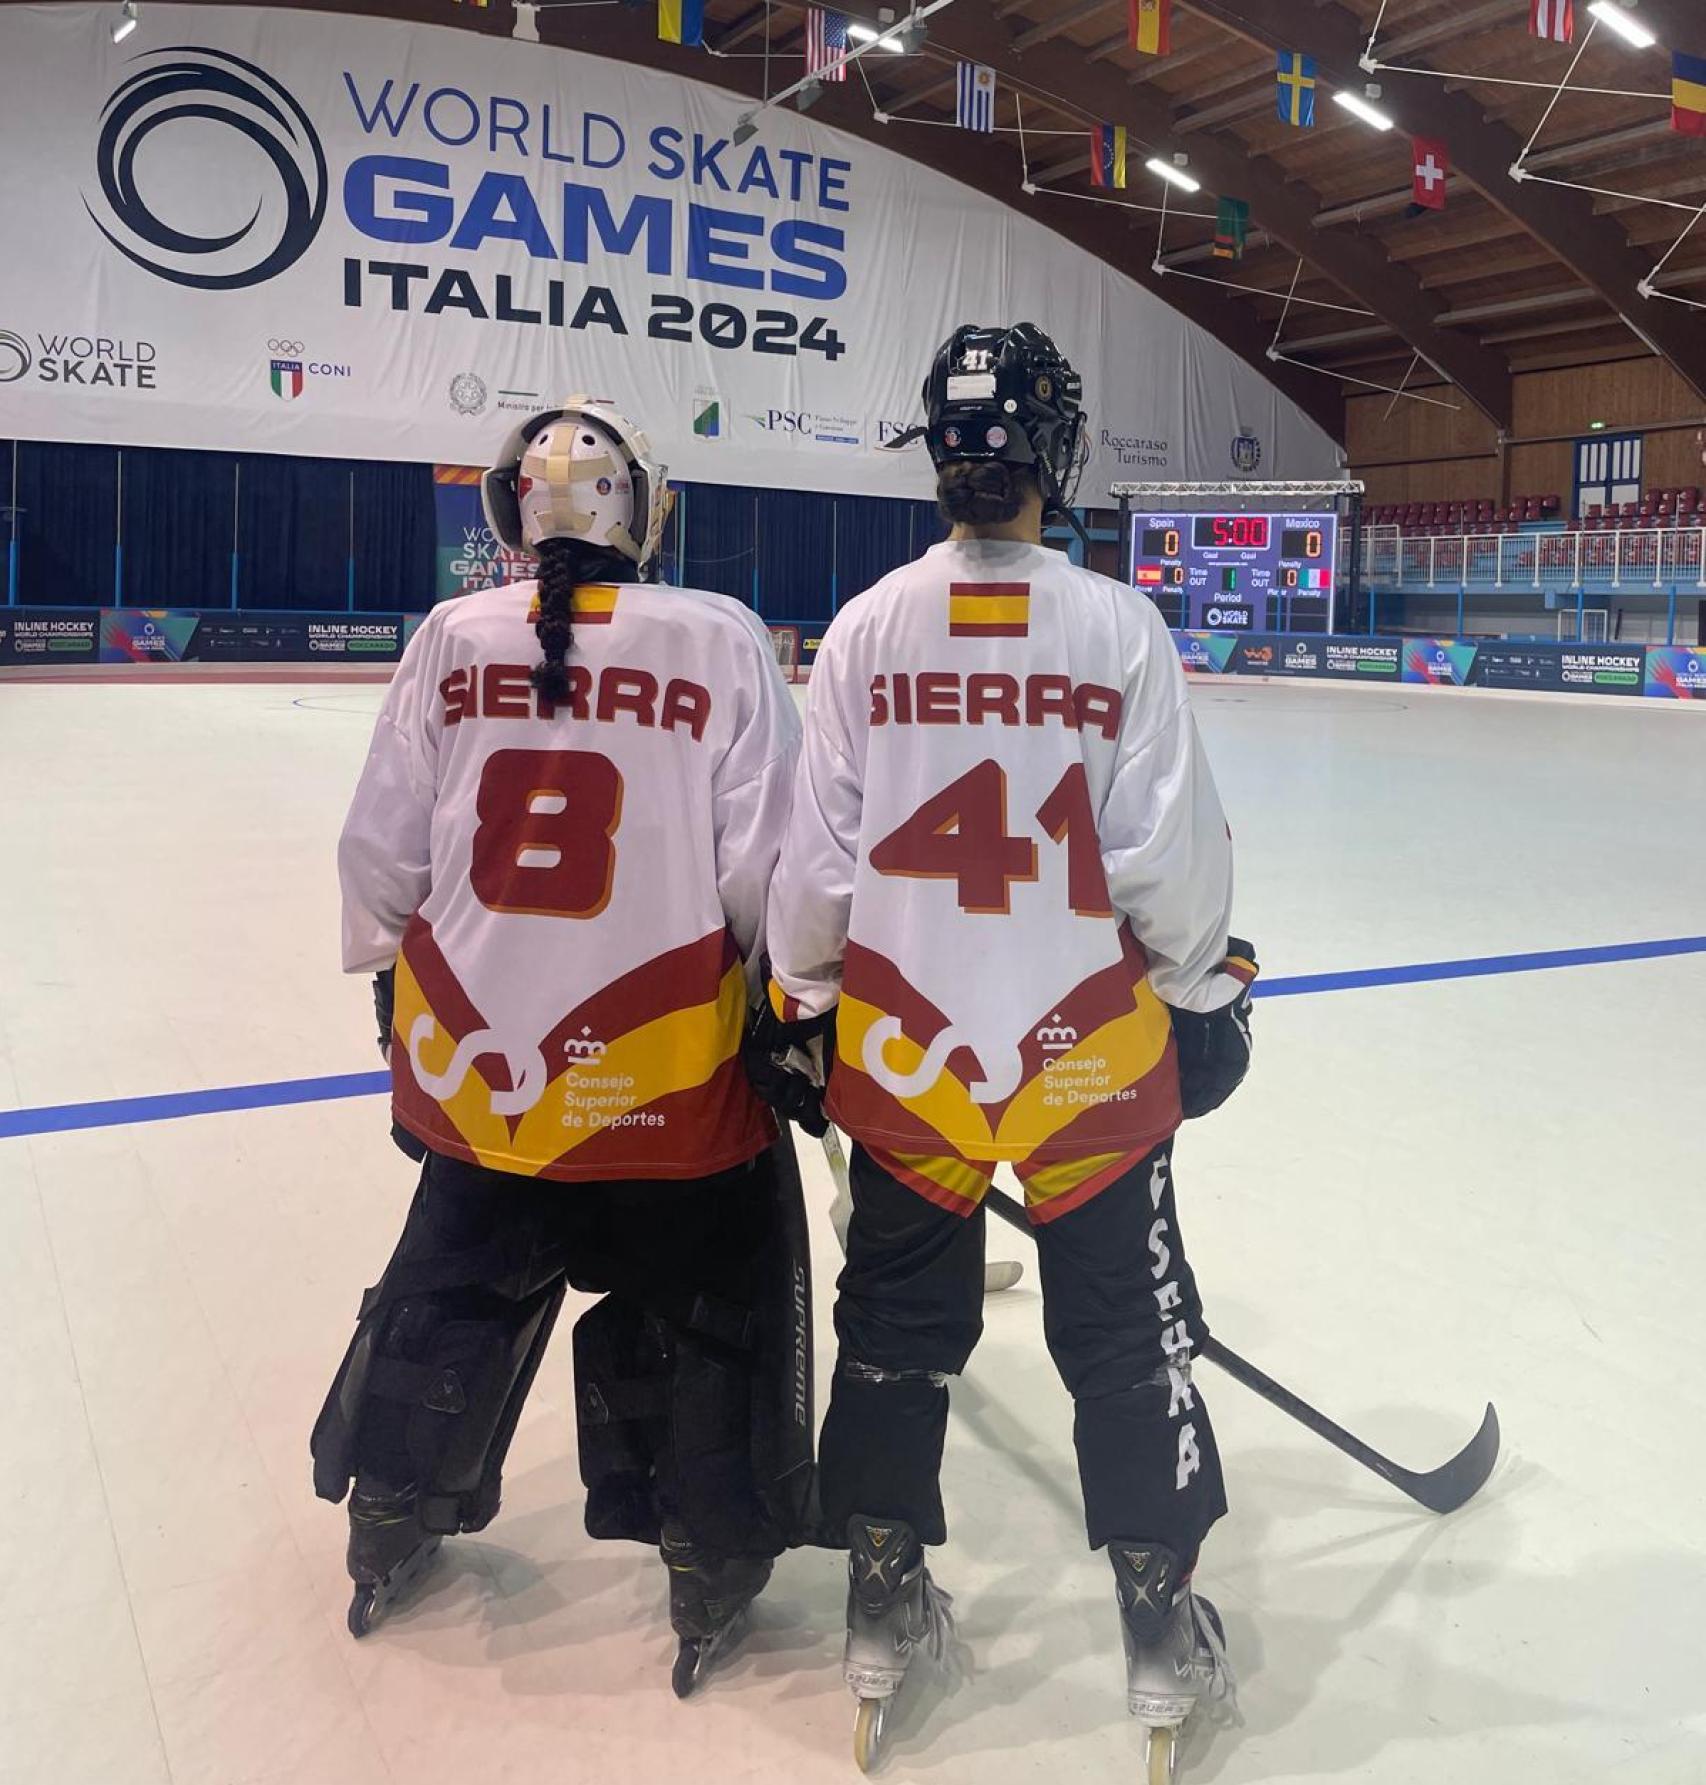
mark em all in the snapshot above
pixel 117 1112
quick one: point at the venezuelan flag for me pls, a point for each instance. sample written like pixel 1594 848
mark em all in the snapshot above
pixel 1108 155
pixel 1688 94
pixel 989 610
pixel 681 21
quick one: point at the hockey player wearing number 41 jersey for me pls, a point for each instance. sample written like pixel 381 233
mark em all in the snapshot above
pixel 1008 876
pixel 559 869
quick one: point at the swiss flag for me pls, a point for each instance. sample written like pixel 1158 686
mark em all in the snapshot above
pixel 1431 167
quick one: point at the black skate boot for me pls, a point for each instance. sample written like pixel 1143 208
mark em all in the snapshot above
pixel 1175 1650
pixel 708 1597
pixel 893 1608
pixel 389 1551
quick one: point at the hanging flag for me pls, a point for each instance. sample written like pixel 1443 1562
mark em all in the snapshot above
pixel 1297 89
pixel 1552 19
pixel 681 21
pixel 974 103
pixel 1151 25
pixel 826 42
pixel 1429 170
pixel 1107 155
pixel 1232 224
pixel 1688 94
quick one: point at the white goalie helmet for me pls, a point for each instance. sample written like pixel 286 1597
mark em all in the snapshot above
pixel 583 471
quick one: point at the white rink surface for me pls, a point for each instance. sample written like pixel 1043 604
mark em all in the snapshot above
pixel 1425 1196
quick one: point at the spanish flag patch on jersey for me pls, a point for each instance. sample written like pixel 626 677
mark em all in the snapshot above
pixel 989 610
pixel 595 604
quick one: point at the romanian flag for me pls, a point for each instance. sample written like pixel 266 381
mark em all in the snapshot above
pixel 1107 155
pixel 989 610
pixel 681 21
pixel 595 604
pixel 1296 103
pixel 1688 94
pixel 1151 25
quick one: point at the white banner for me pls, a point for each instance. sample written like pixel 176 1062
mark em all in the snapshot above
pixel 262 230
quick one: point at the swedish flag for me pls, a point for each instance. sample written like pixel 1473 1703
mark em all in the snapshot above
pixel 1296 99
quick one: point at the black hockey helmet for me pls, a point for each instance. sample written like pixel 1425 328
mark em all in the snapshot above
pixel 1008 394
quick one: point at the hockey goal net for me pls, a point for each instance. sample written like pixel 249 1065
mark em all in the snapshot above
pixel 785 641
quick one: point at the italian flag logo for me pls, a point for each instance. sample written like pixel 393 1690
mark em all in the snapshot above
pixel 287 378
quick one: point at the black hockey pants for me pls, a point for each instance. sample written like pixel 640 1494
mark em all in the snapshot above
pixel 1120 1311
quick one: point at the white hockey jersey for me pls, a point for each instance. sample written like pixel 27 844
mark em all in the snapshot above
pixel 572 894
pixel 1006 857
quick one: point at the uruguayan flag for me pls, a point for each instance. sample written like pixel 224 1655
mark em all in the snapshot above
pixel 975 106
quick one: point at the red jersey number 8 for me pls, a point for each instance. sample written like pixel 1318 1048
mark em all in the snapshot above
pixel 544 846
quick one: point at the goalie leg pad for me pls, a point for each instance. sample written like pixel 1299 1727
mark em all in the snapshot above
pixel 445 1350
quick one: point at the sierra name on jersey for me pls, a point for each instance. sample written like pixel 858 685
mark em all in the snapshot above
pixel 573 965
pixel 1006 859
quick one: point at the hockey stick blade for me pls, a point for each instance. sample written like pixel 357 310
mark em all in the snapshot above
pixel 1441 1490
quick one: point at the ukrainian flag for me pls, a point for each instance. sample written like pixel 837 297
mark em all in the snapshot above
pixel 1296 102
pixel 681 21
pixel 1688 94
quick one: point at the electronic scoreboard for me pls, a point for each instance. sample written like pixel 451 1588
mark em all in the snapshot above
pixel 1236 571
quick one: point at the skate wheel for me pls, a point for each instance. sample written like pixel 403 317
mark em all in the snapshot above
pixel 360 1618
pixel 1163 1756
pixel 684 1676
pixel 868 1729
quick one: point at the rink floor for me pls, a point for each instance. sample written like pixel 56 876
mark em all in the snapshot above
pixel 1427 1196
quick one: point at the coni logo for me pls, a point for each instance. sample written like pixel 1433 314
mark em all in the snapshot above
pixel 206 86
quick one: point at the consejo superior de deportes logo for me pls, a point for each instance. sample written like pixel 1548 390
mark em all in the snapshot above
pixel 192 85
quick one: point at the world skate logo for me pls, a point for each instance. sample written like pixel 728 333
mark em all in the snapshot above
pixel 1056 1038
pixel 203 87
pixel 584 1046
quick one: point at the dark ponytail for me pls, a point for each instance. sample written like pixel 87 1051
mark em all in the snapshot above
pixel 981 492
pixel 559 572
pixel 564 566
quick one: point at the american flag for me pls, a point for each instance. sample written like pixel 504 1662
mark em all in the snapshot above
pixel 974 106
pixel 826 42
pixel 1554 19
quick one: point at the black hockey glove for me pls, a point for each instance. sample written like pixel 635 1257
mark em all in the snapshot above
pixel 384 1005
pixel 1214 1049
pixel 787 1064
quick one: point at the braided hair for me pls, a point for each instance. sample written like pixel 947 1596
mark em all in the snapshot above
pixel 564 566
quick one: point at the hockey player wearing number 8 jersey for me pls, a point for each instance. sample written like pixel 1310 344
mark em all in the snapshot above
pixel 1009 877
pixel 565 863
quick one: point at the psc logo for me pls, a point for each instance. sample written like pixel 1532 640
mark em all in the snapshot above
pixel 205 86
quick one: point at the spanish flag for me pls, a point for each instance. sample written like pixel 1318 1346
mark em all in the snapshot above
pixel 595 604
pixel 1688 94
pixel 1108 155
pixel 989 610
pixel 681 21
pixel 1151 24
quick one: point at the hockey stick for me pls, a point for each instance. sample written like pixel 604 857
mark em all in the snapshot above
pixel 1440 1490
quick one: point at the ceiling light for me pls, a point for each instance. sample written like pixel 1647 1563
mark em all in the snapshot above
pixel 868 34
pixel 125 23
pixel 1174 176
pixel 809 95
pixel 745 129
pixel 1359 107
pixel 526 26
pixel 1609 13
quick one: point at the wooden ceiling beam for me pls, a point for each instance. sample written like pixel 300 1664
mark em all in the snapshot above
pixel 1483 150
pixel 974 161
pixel 1283 207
